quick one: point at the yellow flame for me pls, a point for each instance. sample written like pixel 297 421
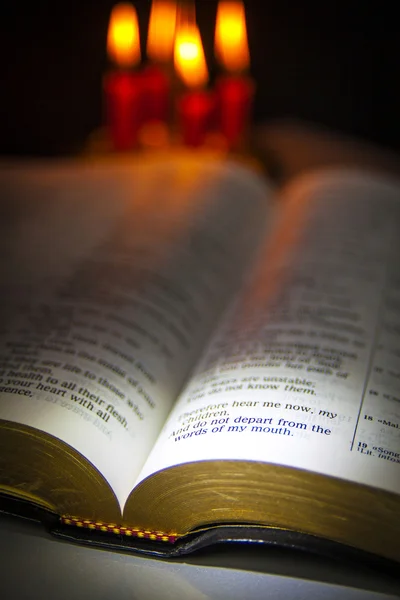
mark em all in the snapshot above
pixel 190 62
pixel 231 43
pixel 123 39
pixel 161 36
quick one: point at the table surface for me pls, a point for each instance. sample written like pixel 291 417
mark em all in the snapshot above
pixel 34 565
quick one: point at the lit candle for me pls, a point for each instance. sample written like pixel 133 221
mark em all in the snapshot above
pixel 122 86
pixel 235 91
pixel 161 36
pixel 196 106
pixel 160 44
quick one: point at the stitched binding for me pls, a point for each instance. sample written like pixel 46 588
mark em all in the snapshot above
pixel 156 536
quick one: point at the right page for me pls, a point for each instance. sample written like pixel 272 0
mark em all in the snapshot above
pixel 305 368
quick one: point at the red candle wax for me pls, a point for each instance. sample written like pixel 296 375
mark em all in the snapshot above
pixel 123 107
pixel 156 91
pixel 235 98
pixel 196 109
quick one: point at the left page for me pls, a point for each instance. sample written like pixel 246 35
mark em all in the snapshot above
pixel 112 277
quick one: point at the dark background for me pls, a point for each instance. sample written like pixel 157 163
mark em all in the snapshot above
pixel 334 63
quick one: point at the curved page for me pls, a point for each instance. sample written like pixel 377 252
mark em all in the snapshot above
pixel 112 278
pixel 305 370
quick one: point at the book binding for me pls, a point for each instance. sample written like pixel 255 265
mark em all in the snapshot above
pixel 162 545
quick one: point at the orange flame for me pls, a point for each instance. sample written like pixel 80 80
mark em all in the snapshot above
pixel 231 43
pixel 161 36
pixel 190 62
pixel 123 39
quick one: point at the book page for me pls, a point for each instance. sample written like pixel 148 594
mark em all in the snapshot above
pixel 112 277
pixel 305 370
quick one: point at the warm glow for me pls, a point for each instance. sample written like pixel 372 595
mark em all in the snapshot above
pixel 160 40
pixel 231 44
pixel 123 40
pixel 190 62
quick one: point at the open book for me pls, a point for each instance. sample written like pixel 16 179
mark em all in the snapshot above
pixel 185 350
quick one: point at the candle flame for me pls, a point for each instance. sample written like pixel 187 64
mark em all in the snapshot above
pixel 190 62
pixel 161 36
pixel 231 43
pixel 123 40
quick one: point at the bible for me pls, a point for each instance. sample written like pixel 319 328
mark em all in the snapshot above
pixel 189 355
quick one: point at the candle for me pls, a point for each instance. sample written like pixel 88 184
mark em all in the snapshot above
pixel 235 90
pixel 235 98
pixel 122 86
pixel 196 106
pixel 195 111
pixel 156 91
pixel 160 44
